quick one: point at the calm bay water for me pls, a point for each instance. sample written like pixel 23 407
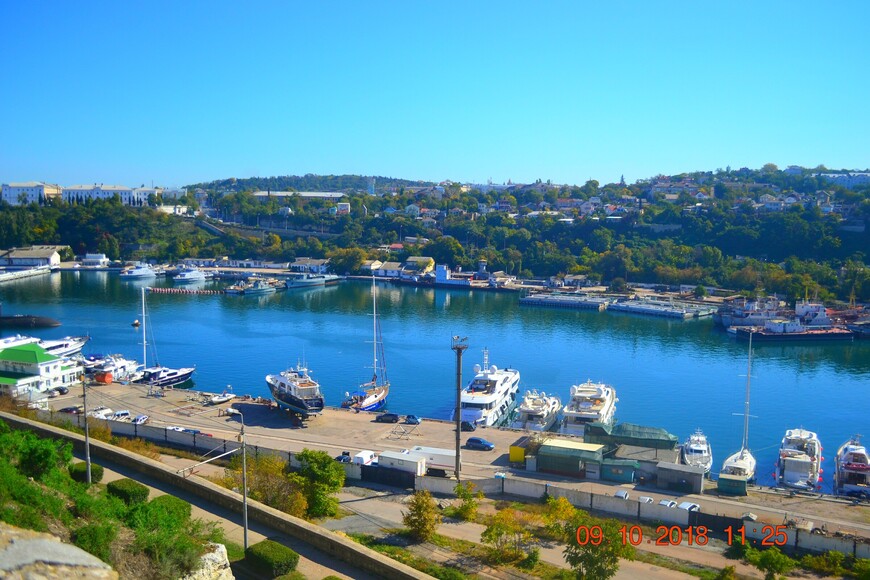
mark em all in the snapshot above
pixel 671 374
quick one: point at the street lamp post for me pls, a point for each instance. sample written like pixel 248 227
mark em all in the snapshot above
pixel 87 432
pixel 458 346
pixel 244 477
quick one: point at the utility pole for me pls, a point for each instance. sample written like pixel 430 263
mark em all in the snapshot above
pixel 244 481
pixel 87 433
pixel 458 346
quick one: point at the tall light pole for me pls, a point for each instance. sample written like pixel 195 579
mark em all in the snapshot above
pixel 87 433
pixel 244 473
pixel 458 346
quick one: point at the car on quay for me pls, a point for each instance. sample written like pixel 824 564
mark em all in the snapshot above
pixel 412 420
pixel 689 506
pixel 140 419
pixel 668 503
pixel 479 443
pixel 387 418
pixel 467 426
pixel 645 499
pixel 621 494
pixel 74 410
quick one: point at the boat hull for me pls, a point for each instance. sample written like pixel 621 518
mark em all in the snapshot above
pixel 294 403
pixel 164 377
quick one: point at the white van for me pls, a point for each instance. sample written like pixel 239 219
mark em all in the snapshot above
pixel 121 416
pixel 364 458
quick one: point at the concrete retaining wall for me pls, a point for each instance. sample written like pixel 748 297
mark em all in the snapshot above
pixel 862 550
pixel 524 488
pixel 579 499
pixel 671 516
pixel 615 505
pixel 771 534
pixel 322 539
pixel 819 543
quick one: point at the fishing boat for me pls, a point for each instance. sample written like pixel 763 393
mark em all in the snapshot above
pixel 697 452
pixel 258 287
pixel 157 375
pixel 853 469
pixel 537 412
pixel 589 403
pixel 372 395
pixel 738 470
pixel 800 455
pixel 491 396
pixel 295 391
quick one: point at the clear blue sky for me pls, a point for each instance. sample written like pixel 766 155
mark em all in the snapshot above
pixel 181 92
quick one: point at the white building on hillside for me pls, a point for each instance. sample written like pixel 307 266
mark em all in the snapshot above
pixel 30 192
pixel 82 193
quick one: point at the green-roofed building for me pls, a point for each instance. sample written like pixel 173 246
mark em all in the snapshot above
pixel 27 371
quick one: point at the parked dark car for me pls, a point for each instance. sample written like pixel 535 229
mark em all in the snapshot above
pixel 479 443
pixel 412 420
pixel 344 457
pixel 74 410
pixel 62 390
pixel 387 418
pixel 468 426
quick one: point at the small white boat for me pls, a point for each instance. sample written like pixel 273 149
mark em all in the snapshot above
pixel 189 276
pixel 537 412
pixel 224 397
pixel 138 272
pixel 800 455
pixel 697 452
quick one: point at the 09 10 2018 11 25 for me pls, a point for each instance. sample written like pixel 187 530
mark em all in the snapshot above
pixel 674 535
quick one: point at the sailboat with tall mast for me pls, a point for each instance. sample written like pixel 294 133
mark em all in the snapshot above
pixel 738 470
pixel 372 395
pixel 158 376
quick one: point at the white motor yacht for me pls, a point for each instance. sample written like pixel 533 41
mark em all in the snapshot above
pixel 853 469
pixel 589 403
pixel 491 396
pixel 800 455
pixel 138 272
pixel 697 452
pixel 537 412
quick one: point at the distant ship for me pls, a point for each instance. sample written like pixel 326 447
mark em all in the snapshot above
pixel 26 321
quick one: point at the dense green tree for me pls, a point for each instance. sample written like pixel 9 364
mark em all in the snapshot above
pixel 324 477
pixel 422 517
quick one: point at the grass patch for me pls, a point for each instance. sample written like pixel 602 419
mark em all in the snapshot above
pixel 404 556
pixel 235 552
pixel 696 570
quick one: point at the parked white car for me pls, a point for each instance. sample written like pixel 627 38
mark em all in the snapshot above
pixel 668 503
pixel 689 506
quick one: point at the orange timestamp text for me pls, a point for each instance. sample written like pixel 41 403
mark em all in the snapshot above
pixel 673 535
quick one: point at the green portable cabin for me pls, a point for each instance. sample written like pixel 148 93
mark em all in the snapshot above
pixel 568 457
pixel 732 484
pixel 619 470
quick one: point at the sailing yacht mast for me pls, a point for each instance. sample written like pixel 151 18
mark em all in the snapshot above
pixel 746 403
pixel 374 333
pixel 144 335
